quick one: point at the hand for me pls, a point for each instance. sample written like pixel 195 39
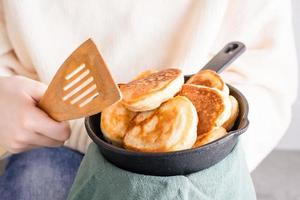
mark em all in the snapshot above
pixel 23 126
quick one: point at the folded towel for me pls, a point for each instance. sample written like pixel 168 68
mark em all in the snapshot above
pixel 99 179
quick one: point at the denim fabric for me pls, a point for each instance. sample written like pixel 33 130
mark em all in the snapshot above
pixel 40 174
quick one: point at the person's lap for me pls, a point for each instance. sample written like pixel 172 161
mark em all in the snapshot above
pixel 97 178
pixel 46 173
pixel 49 174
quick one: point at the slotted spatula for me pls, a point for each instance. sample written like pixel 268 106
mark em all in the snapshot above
pixel 82 86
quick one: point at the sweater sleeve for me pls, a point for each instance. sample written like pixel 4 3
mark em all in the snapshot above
pixel 79 139
pixel 10 65
pixel 7 57
pixel 266 74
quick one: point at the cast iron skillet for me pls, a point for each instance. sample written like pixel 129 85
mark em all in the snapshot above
pixel 178 162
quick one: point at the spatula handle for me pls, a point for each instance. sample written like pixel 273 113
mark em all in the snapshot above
pixel 226 56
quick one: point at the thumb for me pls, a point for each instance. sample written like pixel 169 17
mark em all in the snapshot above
pixel 35 89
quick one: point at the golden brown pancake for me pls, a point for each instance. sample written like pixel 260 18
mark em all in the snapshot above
pixel 171 127
pixel 139 76
pixel 211 105
pixel 208 78
pixel 144 74
pixel 234 114
pixel 114 122
pixel 148 92
pixel 211 136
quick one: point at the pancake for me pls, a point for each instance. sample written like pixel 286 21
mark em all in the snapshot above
pixel 209 137
pixel 139 76
pixel 144 74
pixel 234 114
pixel 149 92
pixel 213 107
pixel 171 127
pixel 210 79
pixel 114 122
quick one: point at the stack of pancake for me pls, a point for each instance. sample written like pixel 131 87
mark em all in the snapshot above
pixel 159 113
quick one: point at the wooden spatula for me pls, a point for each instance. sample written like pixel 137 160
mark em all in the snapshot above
pixel 83 86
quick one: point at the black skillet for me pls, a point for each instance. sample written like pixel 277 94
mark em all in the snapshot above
pixel 185 161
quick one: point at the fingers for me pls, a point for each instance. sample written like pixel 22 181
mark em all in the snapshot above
pixel 29 140
pixel 38 121
pixel 36 90
pixel 23 149
pixel 24 126
pixel 33 88
pixel 37 139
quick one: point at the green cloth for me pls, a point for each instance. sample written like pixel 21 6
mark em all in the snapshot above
pixel 99 179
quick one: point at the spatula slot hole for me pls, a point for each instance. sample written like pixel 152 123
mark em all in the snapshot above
pixel 83 94
pixel 78 88
pixel 75 71
pixel 80 77
pixel 88 100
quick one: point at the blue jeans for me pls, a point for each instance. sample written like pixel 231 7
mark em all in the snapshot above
pixel 45 173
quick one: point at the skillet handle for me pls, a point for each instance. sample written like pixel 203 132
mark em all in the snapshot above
pixel 225 57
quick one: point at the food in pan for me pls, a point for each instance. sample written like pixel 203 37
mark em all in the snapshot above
pixel 233 115
pixel 149 92
pixel 159 113
pixel 216 113
pixel 213 107
pixel 144 74
pixel 219 131
pixel 212 135
pixel 114 122
pixel 210 79
pixel 171 127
